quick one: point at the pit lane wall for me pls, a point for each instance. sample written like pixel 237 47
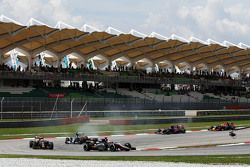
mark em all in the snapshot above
pixel 177 120
pixel 43 123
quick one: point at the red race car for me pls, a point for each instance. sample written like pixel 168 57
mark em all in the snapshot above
pixel 223 127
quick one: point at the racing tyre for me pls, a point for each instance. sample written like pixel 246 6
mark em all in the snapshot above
pixel 31 144
pixel 166 132
pixel 77 141
pixel 51 145
pixel 112 148
pixel 86 147
pixel 67 140
pixel 128 145
pixel 35 145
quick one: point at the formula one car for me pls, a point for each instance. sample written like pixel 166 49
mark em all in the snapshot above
pixel 178 129
pixel 78 139
pixel 223 127
pixel 105 145
pixel 41 143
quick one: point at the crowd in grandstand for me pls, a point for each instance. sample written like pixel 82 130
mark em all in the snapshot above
pixel 133 71
pixel 130 71
pixel 4 67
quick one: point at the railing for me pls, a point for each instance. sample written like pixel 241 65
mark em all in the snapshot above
pixel 37 104
pixel 121 79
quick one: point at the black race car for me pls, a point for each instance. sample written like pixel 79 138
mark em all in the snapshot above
pixel 105 145
pixel 78 139
pixel 223 127
pixel 41 143
pixel 178 129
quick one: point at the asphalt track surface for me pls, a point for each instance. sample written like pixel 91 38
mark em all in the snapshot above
pixel 189 141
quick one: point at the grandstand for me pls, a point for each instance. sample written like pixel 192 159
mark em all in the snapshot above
pixel 44 65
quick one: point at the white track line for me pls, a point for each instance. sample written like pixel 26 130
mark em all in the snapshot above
pixel 233 144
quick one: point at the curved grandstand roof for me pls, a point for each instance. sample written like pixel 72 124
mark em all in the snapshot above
pixel 88 42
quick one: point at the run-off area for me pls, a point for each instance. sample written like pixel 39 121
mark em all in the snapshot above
pixel 22 162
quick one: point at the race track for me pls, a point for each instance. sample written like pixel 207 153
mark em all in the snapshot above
pixel 169 145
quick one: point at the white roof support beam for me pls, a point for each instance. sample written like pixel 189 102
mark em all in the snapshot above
pixel 114 31
pixel 137 33
pixel 176 37
pixel 89 28
pixel 158 36
pixel 33 22
pixel 194 39
pixel 211 41
pixel 6 19
pixel 61 25
pixel 243 46
pixel 229 44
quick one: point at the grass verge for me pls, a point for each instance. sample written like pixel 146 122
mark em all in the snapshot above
pixel 211 159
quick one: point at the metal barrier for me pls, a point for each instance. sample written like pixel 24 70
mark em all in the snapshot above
pixel 39 104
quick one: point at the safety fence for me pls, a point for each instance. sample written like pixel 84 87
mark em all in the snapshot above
pixel 33 104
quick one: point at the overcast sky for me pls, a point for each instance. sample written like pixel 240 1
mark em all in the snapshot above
pixel 216 19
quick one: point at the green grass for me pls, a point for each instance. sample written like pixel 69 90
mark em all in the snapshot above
pixel 8 133
pixel 211 159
